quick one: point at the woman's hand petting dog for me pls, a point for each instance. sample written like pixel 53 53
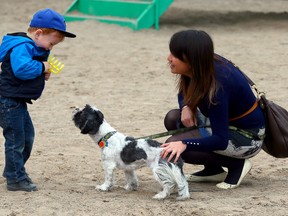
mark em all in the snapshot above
pixel 175 149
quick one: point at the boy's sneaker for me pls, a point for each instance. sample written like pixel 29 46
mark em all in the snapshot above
pixel 29 179
pixel 23 185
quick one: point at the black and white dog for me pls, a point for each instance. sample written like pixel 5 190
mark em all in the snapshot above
pixel 127 153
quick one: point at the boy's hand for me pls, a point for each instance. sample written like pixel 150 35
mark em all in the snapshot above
pixel 47 75
pixel 46 71
pixel 47 66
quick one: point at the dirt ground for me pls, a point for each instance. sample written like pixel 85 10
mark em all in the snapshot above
pixel 125 74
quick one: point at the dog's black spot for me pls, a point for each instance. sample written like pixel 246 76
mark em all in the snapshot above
pixel 88 120
pixel 131 153
pixel 129 139
pixel 153 143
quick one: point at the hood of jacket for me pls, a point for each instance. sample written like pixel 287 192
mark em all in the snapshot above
pixel 9 41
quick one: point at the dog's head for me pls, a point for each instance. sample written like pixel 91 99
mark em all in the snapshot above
pixel 88 119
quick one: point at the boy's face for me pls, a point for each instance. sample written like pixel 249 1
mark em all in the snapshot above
pixel 47 41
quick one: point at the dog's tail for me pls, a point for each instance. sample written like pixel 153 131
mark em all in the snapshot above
pixel 170 176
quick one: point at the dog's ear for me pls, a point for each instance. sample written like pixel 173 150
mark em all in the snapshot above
pixel 100 116
pixel 87 128
pixel 93 122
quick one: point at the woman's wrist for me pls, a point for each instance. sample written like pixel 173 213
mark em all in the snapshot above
pixel 184 107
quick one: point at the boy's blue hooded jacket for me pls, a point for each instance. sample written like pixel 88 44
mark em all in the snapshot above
pixel 21 75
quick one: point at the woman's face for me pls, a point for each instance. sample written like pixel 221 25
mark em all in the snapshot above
pixel 178 66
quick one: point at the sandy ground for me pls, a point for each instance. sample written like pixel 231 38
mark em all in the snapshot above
pixel 124 73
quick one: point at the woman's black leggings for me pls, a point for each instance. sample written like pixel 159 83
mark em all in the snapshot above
pixel 212 162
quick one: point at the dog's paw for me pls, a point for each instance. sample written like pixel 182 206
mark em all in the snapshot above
pixel 131 187
pixel 182 198
pixel 102 187
pixel 160 196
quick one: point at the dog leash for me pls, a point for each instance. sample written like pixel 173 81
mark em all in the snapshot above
pixel 245 133
pixel 168 133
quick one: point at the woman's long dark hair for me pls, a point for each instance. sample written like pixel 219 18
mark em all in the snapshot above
pixel 196 48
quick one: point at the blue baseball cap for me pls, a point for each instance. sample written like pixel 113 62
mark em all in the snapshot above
pixel 48 18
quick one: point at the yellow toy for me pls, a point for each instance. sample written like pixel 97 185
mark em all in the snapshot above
pixel 56 65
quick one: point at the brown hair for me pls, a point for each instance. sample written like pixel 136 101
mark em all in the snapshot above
pixel 47 31
pixel 196 48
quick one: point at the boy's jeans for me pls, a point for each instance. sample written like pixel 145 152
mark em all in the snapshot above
pixel 18 131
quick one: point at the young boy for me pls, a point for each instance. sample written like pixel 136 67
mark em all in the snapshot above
pixel 22 79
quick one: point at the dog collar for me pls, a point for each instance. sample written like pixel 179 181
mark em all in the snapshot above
pixel 104 140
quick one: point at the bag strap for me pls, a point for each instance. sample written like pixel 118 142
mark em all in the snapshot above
pixel 260 94
pixel 247 112
pixel 261 98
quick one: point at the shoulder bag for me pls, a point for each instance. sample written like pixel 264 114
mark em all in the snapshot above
pixel 276 124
